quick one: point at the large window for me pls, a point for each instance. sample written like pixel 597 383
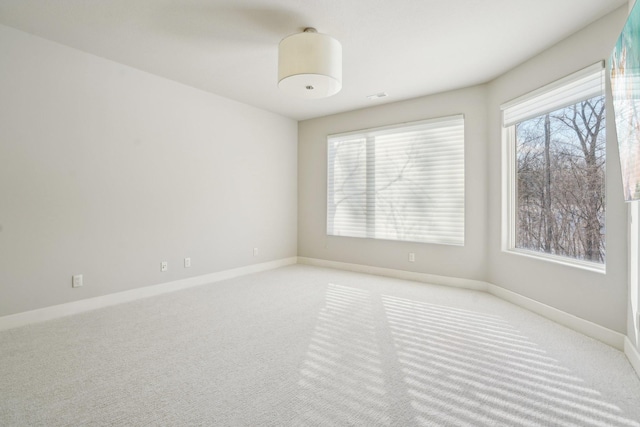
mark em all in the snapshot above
pixel 556 141
pixel 403 182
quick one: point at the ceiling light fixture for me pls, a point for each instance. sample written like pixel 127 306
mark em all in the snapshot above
pixel 310 65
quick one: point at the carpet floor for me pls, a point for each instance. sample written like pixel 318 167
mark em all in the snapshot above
pixel 307 346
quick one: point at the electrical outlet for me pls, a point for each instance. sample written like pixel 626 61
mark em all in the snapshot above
pixel 187 262
pixel 164 266
pixel 255 252
pixel 412 257
pixel 76 281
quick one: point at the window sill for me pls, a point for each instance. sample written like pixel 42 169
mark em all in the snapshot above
pixel 567 262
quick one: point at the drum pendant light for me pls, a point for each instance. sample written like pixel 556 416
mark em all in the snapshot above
pixel 310 65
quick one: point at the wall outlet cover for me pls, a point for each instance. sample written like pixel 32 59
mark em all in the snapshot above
pixel 76 281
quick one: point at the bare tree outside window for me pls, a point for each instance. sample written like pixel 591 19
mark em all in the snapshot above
pixel 560 159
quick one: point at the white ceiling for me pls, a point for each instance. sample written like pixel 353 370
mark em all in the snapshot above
pixel 406 48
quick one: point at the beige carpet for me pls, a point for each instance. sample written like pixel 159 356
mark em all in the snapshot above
pixel 309 346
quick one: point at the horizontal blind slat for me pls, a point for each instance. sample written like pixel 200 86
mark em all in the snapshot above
pixel 582 85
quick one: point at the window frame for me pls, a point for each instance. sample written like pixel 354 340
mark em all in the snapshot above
pixel 509 181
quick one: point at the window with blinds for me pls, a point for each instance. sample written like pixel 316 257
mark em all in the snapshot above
pixel 584 84
pixel 403 182
pixel 555 142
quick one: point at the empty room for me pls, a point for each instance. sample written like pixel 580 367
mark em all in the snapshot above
pixel 319 213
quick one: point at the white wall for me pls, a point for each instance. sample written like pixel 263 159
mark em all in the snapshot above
pixel 633 307
pixel 600 298
pixel 465 262
pixel 106 171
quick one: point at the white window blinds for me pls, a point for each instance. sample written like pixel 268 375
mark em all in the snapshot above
pixel 584 84
pixel 403 182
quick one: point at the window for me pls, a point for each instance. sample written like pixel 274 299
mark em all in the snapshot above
pixel 403 182
pixel 555 140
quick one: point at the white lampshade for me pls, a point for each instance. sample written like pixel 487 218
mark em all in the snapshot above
pixel 310 65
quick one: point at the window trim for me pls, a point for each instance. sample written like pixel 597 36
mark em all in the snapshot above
pixel 509 178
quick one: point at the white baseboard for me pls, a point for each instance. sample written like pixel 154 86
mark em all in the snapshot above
pixel 75 307
pixel 397 274
pixel 632 354
pixel 590 329
pixel 585 327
